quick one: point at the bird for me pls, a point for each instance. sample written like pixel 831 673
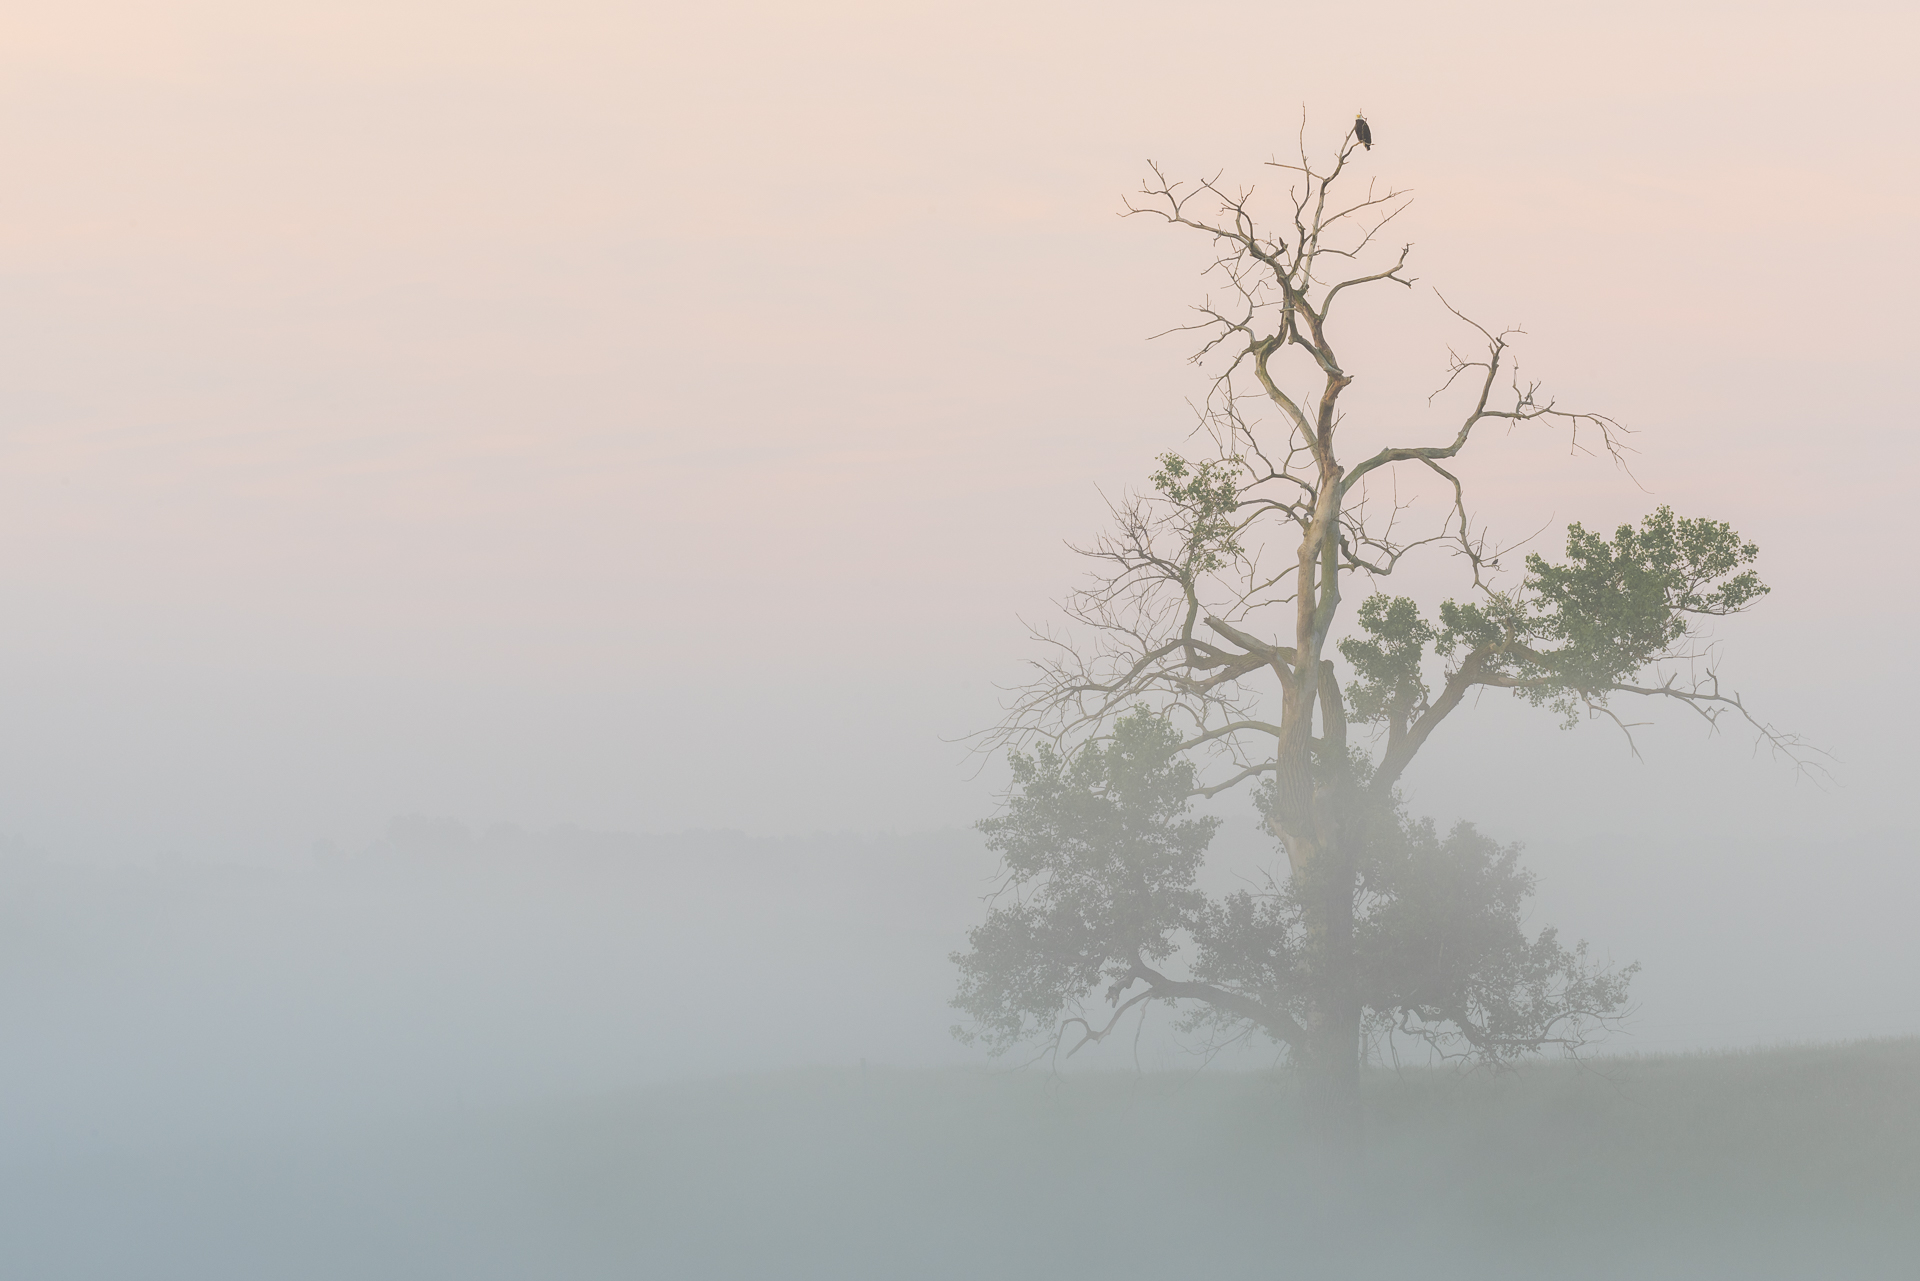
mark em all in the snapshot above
pixel 1360 131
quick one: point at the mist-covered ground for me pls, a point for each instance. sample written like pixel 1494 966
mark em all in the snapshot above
pixel 568 1054
pixel 1789 1163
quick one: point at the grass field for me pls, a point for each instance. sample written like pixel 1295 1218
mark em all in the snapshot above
pixel 1798 1163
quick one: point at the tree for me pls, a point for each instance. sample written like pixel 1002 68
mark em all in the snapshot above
pixel 1163 691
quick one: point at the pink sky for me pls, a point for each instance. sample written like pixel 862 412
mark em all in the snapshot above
pixel 538 411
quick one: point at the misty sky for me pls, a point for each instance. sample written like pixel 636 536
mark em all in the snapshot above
pixel 656 417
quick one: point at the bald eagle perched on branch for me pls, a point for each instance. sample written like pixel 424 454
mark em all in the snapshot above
pixel 1360 131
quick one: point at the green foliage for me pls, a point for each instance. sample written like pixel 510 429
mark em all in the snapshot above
pixel 1103 854
pixel 1207 493
pixel 1100 858
pixel 1574 630
pixel 1616 606
pixel 1439 949
pixel 1440 945
pixel 1488 624
pixel 1387 660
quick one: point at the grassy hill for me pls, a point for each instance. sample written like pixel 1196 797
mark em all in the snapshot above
pixel 1796 1163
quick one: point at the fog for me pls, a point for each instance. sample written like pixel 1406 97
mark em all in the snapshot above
pixel 510 513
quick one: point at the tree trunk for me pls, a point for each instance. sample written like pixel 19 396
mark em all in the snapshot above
pixel 1330 1074
pixel 1330 1068
pixel 1329 1061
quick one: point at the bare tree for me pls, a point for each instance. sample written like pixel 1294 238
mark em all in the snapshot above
pixel 1179 616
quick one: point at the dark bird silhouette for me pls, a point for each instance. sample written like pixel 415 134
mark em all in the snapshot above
pixel 1364 134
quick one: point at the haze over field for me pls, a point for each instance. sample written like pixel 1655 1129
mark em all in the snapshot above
pixel 507 510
